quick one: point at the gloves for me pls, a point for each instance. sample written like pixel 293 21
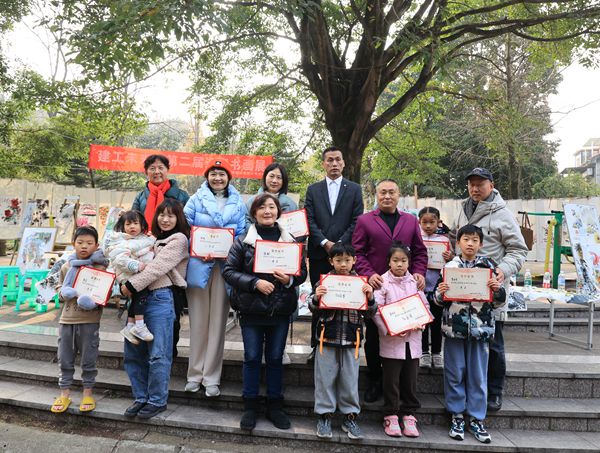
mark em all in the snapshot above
pixel 86 303
pixel 68 292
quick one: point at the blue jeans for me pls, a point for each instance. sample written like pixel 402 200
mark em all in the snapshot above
pixel 273 338
pixel 148 364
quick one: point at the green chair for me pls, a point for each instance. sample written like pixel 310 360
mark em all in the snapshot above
pixel 43 308
pixel 33 275
pixel 10 277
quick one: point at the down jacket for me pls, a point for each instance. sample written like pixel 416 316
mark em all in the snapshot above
pixel 470 320
pixel 245 298
pixel 202 210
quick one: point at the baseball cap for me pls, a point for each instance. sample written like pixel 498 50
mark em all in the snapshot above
pixel 482 173
pixel 218 164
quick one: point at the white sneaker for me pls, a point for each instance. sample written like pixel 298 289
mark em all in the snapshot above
pixel 142 333
pixel 212 391
pixel 129 336
pixel 425 361
pixel 192 387
pixel 438 361
pixel 285 360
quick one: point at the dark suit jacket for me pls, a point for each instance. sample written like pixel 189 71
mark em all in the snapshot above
pixel 325 225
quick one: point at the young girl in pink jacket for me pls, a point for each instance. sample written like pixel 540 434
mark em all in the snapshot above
pixel 399 354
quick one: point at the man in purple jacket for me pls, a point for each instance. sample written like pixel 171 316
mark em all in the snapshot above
pixel 374 233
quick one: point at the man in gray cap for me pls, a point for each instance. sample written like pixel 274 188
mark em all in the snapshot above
pixel 503 243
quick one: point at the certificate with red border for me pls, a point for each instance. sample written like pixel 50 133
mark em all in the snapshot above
pixel 405 314
pixel 435 260
pixel 343 292
pixel 215 242
pixel 468 284
pixel 271 256
pixel 96 283
pixel 294 222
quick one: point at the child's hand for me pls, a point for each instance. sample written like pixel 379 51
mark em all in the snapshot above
pixel 208 258
pixel 141 267
pixel 448 255
pixel 265 287
pixel 494 284
pixel 320 291
pixel 367 291
pixel 284 279
pixel 443 288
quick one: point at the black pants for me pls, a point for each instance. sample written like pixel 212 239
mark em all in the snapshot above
pixel 400 385
pixel 316 268
pixel 137 303
pixel 434 328
pixel 372 351
pixel 497 363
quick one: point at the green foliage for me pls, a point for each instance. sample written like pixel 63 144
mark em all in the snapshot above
pixel 573 185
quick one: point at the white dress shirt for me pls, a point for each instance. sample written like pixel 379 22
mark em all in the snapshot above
pixel 333 190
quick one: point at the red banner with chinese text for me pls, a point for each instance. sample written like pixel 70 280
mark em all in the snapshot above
pixel 118 158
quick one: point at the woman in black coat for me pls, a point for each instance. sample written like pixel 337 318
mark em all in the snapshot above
pixel 264 303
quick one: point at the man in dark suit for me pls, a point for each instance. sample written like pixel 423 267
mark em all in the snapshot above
pixel 332 206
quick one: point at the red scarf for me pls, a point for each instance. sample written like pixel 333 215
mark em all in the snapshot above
pixel 156 197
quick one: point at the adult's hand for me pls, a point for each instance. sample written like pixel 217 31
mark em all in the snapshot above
pixel 500 275
pixel 284 279
pixel 327 246
pixel 376 281
pixel 265 287
pixel 207 259
pixel 125 291
pixel 420 281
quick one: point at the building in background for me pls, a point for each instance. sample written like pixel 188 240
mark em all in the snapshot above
pixel 587 161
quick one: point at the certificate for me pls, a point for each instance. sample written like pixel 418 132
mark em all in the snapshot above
pixel 270 256
pixel 96 283
pixel 211 241
pixel 343 292
pixel 405 314
pixel 468 284
pixel 294 222
pixel 435 260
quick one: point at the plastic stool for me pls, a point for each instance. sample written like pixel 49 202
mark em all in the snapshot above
pixel 43 308
pixel 12 274
pixel 35 275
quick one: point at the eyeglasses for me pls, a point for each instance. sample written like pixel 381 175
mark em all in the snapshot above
pixel 157 169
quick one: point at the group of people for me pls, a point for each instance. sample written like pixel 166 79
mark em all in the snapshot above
pixel 385 246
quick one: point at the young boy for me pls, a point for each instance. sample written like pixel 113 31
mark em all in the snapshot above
pixel 79 323
pixel 468 328
pixel 336 366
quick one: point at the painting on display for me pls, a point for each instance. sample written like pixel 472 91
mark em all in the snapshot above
pixel 584 231
pixel 86 215
pixel 36 214
pixel 111 220
pixel 34 244
pixel 10 209
pixel 65 220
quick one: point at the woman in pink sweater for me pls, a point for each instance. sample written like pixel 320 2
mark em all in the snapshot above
pixel 399 354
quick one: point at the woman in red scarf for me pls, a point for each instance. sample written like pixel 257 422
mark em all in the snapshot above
pixel 158 187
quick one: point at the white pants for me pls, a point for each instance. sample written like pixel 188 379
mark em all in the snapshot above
pixel 207 309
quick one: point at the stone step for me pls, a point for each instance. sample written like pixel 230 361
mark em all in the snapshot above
pixel 535 413
pixel 557 375
pixel 33 401
pixel 561 325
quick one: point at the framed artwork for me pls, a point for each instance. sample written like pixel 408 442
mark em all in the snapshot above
pixel 34 244
pixel 584 232
pixel 65 220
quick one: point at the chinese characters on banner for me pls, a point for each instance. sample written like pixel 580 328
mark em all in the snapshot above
pixel 132 159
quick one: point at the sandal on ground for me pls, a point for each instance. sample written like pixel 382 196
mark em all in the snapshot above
pixel 60 404
pixel 88 403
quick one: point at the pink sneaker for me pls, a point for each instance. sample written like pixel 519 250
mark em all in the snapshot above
pixel 391 426
pixel 409 426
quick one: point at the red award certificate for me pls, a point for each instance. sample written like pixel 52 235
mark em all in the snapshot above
pixel 270 256
pixel 96 283
pixel 211 241
pixel 468 284
pixel 405 314
pixel 294 222
pixel 343 292
pixel 435 260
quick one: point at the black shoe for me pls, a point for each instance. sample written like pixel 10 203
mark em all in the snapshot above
pixel 133 410
pixel 373 392
pixel 248 421
pixel 150 410
pixel 311 356
pixel 494 403
pixel 276 414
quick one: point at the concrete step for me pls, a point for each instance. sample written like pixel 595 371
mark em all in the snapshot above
pixel 561 325
pixel 533 412
pixel 23 399
pixel 528 375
